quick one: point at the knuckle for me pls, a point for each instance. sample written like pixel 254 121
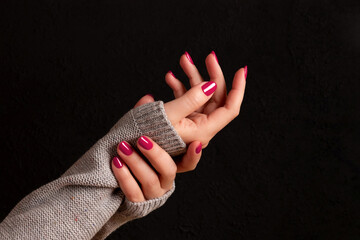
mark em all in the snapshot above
pixel 170 172
pixel 194 99
pixel 235 112
pixel 151 183
pixel 134 197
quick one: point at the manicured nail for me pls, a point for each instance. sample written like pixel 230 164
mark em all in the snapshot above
pixel 125 148
pixel 198 148
pixel 209 87
pixel 149 94
pixel 171 73
pixel 145 142
pixel 189 58
pixel 245 72
pixel 215 56
pixel 117 162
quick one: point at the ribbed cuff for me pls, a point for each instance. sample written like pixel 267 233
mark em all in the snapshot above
pixel 152 121
pixel 129 211
pixel 141 209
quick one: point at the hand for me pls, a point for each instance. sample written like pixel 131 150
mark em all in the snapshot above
pixel 196 114
pixel 155 181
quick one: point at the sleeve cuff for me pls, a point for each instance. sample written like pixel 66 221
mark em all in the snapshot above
pixel 151 120
pixel 136 210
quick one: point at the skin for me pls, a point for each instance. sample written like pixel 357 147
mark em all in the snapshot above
pixel 197 118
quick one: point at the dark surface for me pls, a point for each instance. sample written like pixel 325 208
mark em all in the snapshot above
pixel 287 168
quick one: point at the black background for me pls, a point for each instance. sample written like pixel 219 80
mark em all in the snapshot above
pixel 287 168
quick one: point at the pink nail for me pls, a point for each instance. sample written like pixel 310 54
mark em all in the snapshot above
pixel 209 87
pixel 149 94
pixel 145 142
pixel 125 148
pixel 198 148
pixel 189 58
pixel 171 74
pixel 245 72
pixel 215 56
pixel 117 162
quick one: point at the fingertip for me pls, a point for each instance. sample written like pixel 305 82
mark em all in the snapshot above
pixel 209 57
pixel 186 59
pixel 198 148
pixel 240 78
pixel 117 163
pixel 189 58
pixel 195 148
pixel 209 88
pixel 145 143
pixel 213 53
pixel 118 149
pixel 245 71
pixel 150 96
pixel 190 101
pixel 191 159
pixel 145 99
pixel 183 59
pixel 171 74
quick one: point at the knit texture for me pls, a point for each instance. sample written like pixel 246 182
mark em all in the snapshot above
pixel 129 211
pixel 86 200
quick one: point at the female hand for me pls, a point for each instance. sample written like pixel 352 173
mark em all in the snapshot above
pixel 201 112
pixel 155 181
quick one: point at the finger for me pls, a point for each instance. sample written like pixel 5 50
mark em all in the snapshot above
pixel 147 177
pixel 216 75
pixel 160 160
pixel 190 69
pixel 177 86
pixel 219 118
pixel 145 99
pixel 193 99
pixel 191 158
pixel 127 183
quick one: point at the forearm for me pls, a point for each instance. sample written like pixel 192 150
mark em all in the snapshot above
pixel 86 197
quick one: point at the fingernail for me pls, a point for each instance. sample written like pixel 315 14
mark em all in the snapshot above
pixel 171 73
pixel 209 87
pixel 125 148
pixel 198 148
pixel 189 58
pixel 117 162
pixel 149 94
pixel 145 143
pixel 245 72
pixel 215 56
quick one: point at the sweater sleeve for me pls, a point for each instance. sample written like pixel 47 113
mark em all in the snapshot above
pixel 86 202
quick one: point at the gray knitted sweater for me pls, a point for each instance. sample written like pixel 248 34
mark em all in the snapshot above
pixel 86 202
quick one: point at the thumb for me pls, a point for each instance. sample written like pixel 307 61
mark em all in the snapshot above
pixel 145 99
pixel 193 99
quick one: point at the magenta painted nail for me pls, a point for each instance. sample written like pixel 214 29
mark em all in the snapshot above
pixel 189 58
pixel 125 148
pixel 171 74
pixel 117 162
pixel 245 72
pixel 209 87
pixel 215 56
pixel 145 142
pixel 198 148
